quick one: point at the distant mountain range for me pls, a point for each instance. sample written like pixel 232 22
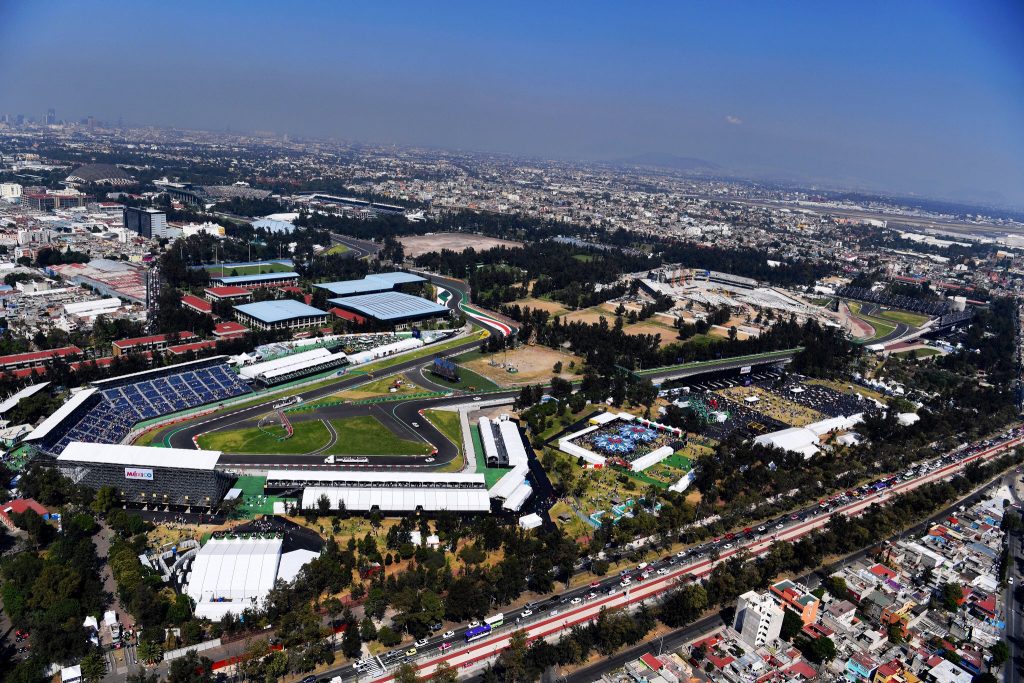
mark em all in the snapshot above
pixel 663 160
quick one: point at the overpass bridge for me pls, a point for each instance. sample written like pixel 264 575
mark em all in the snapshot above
pixel 672 372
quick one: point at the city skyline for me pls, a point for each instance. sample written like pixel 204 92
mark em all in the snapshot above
pixel 923 98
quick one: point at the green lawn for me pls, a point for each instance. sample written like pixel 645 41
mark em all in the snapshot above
pixel 448 423
pixel 491 474
pixel 917 353
pixel 216 270
pixel 912 319
pixel 336 249
pixel 363 435
pixel 308 437
pixel 366 435
pixel 882 326
pixel 467 380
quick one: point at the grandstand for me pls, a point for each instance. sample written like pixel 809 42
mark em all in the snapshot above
pixel 106 413
pixel 298 365
pixel 385 491
pixel 906 303
pixel 155 478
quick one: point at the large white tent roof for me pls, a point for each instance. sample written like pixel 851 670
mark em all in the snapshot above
pixel 234 571
pixel 399 499
pixel 386 478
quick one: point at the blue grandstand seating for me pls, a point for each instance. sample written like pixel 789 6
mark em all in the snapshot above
pixel 112 419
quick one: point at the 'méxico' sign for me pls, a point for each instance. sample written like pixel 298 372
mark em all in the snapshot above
pixel 137 473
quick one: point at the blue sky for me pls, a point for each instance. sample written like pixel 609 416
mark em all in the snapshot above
pixel 918 97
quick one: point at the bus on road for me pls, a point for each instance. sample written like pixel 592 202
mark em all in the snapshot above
pixel 495 620
pixel 477 632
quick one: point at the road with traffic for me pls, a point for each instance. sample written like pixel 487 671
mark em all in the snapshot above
pixel 555 614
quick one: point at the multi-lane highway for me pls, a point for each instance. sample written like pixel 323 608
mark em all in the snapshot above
pixel 560 612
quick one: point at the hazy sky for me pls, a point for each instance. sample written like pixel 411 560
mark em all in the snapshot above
pixel 924 97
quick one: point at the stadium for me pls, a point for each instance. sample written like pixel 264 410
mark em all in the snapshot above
pixel 150 478
pixel 106 412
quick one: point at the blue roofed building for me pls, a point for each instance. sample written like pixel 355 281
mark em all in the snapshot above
pixel 256 280
pixel 371 284
pixel 392 308
pixel 282 314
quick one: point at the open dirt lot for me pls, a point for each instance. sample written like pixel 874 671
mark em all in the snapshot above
pixel 533 362
pixel 668 334
pixel 593 315
pixel 456 241
pixel 552 307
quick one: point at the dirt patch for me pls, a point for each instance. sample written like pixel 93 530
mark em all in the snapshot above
pixel 533 363
pixel 456 241
pixel 668 335
pixel 552 307
pixel 594 314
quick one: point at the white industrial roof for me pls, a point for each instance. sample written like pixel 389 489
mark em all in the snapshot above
pixel 515 501
pixel 24 393
pixel 60 415
pixel 278 310
pixel 231 574
pixel 139 456
pixel 530 521
pixel 427 498
pixel 257 369
pixel 442 478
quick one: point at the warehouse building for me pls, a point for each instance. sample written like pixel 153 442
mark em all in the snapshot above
pixel 148 478
pixel 389 492
pixel 257 280
pixel 283 314
pixel 392 308
pixel 371 284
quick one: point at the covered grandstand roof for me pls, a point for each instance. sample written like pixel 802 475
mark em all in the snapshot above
pixel 139 456
pixel 256 277
pixel 60 415
pixel 383 478
pixel 13 400
pixel 398 498
pixel 252 371
pixel 158 372
pixel 389 306
pixel 279 311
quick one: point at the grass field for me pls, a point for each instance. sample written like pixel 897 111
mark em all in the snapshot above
pixel 308 436
pixel 468 380
pixel 448 423
pixel 912 319
pixel 380 387
pixel 363 435
pixel 882 326
pixel 336 249
pixel 918 353
pixel 491 474
pixel 249 270
pixel 366 435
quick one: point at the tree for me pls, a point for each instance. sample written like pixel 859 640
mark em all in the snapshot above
pixel 444 673
pixel 351 645
pixel 191 669
pixel 105 500
pixel 367 630
pixel 791 625
pixel 94 667
pixel 323 504
pixel 150 652
pixel 1000 653
pixel 513 659
pixel 406 673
